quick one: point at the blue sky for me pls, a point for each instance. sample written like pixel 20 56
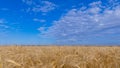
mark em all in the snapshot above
pixel 60 22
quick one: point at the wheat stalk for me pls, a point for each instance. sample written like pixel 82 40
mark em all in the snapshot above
pixel 13 62
pixel 1 65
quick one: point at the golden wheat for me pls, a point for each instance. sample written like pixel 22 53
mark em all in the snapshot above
pixel 59 57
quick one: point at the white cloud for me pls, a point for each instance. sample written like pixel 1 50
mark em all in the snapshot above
pixel 39 20
pixel 39 6
pixel 3 27
pixel 28 2
pixel 41 29
pixel 3 24
pixel 80 24
pixel 48 6
pixel 6 27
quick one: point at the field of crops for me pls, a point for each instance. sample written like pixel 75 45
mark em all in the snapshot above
pixel 59 57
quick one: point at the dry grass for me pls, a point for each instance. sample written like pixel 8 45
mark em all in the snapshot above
pixel 59 57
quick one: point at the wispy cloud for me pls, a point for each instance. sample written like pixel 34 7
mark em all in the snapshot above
pixel 3 24
pixel 46 6
pixel 4 9
pixel 42 29
pixel 39 20
pixel 6 28
pixel 3 27
pixel 28 2
pixel 83 23
pixel 39 6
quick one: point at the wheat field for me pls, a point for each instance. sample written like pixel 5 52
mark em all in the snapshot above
pixel 59 57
